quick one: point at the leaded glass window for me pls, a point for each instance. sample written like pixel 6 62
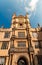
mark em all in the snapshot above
pixel 21 34
pixel 5 45
pixel 22 43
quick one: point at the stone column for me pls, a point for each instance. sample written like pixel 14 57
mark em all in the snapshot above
pixel 32 59
pixel 7 59
pixel 14 61
pixel 10 60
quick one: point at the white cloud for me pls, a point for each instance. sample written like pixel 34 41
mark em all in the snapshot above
pixel 31 6
pixel 28 9
pixel 21 1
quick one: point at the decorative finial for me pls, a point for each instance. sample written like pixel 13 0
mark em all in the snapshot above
pixel 38 25
pixel 14 15
pixel 27 14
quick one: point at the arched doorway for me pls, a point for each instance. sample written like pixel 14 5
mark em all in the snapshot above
pixel 22 61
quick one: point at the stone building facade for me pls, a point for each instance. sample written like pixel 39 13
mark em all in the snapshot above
pixel 21 44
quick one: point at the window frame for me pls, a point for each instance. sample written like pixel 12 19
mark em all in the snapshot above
pixel 23 44
pixel 7 35
pixel 36 43
pixel 5 45
pixel 2 61
pixel 21 34
pixel 40 44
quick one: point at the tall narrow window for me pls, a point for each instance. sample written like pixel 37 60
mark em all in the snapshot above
pixel 21 43
pixel 39 57
pixel 7 35
pixel 5 45
pixel 2 61
pixel 40 44
pixel 36 44
pixel 21 34
pixel 35 60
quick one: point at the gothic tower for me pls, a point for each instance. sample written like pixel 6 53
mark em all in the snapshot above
pixel 21 50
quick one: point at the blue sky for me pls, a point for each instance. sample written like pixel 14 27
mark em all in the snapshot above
pixel 9 7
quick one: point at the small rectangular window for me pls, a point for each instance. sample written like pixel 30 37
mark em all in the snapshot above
pixel 7 35
pixel 5 45
pixel 21 34
pixel 21 43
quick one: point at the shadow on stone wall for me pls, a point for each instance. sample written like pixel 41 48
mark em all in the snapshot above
pixel 39 55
